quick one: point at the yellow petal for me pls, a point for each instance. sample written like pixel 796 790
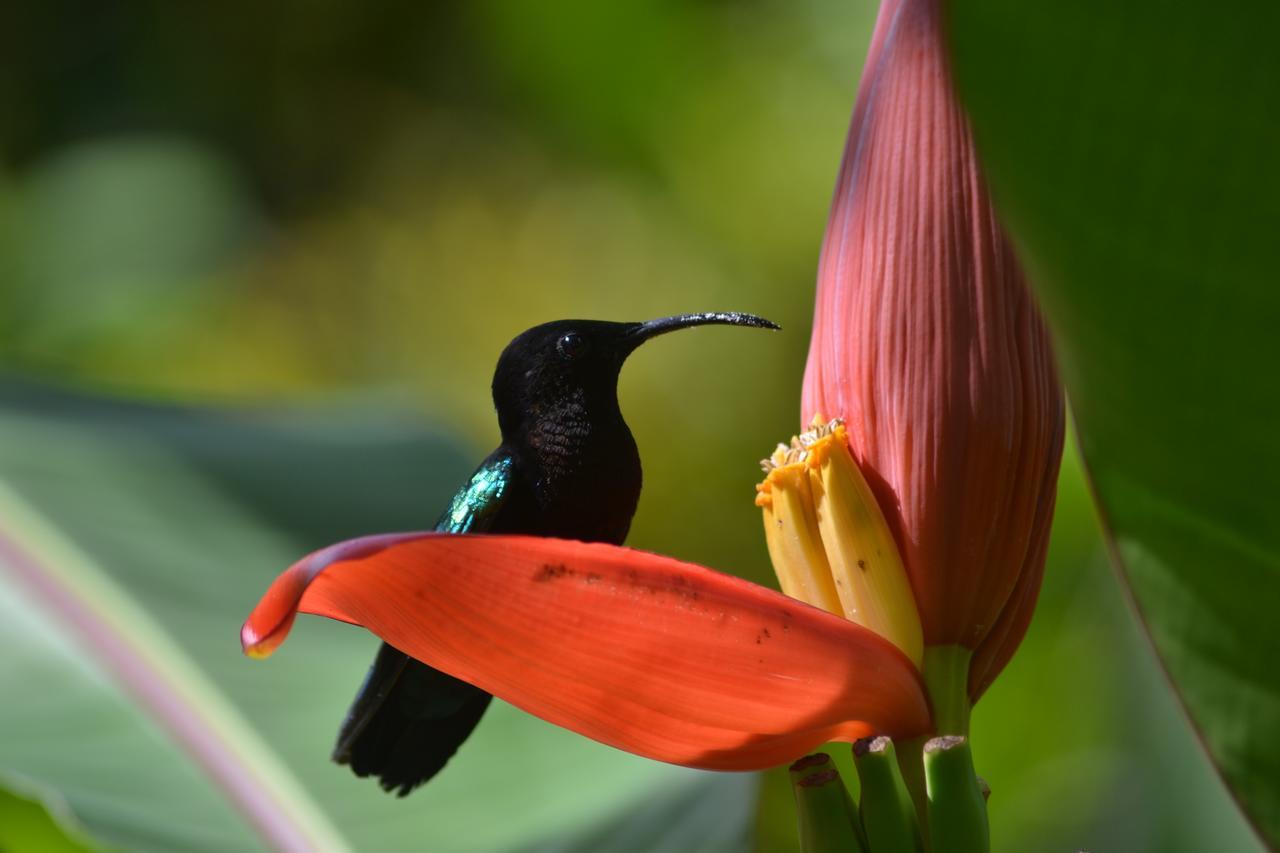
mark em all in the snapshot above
pixel 865 563
pixel 795 545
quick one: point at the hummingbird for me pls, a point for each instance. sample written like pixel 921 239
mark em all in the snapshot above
pixel 567 467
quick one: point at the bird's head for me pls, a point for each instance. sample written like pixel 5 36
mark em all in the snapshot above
pixel 575 363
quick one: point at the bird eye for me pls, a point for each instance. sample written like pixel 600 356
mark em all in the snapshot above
pixel 571 345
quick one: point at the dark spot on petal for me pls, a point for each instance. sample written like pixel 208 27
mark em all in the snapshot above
pixel 862 564
pixel 593 577
pixel 551 571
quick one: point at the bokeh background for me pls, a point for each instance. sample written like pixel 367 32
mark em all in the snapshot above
pixel 256 264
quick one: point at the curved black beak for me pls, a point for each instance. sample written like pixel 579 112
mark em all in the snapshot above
pixel 641 332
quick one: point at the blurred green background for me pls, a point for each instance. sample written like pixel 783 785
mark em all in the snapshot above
pixel 256 264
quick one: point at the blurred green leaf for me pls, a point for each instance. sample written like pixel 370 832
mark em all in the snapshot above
pixel 117 235
pixel 181 511
pixel 1132 148
pixel 108 713
pixel 28 822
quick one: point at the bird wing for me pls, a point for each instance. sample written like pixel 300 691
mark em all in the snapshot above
pixel 372 734
pixel 477 503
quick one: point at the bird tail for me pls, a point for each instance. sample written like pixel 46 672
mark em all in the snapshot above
pixel 407 721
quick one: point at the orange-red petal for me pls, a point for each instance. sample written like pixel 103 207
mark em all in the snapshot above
pixel 662 658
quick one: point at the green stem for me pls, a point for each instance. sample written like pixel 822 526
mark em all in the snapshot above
pixel 911 765
pixel 946 675
pixel 945 672
pixel 957 810
pixel 888 816
pixel 828 821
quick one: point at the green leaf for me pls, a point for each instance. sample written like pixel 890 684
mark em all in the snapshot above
pixel 1132 151
pixel 157 528
pixel 29 821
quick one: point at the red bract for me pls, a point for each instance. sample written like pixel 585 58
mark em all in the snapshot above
pixel 665 659
pixel 928 345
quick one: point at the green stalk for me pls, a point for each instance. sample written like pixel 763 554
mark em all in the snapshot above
pixel 957 810
pixel 946 675
pixel 826 816
pixel 945 671
pixel 888 815
pixel 911 766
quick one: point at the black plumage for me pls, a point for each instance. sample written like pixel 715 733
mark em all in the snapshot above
pixel 567 467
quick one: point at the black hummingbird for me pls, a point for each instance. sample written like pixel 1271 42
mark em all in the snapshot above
pixel 567 467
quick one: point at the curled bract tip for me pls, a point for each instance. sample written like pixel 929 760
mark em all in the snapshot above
pixel 259 646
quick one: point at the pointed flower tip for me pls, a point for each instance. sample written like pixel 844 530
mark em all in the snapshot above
pixel 271 620
pixel 257 646
pixel 269 623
